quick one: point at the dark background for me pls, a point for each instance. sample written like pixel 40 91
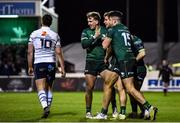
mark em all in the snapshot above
pixel 142 18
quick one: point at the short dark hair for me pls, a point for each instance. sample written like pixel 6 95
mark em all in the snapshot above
pixel 95 15
pixel 47 20
pixel 106 14
pixel 116 14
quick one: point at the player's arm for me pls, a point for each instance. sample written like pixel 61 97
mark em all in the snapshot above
pixel 106 43
pixel 30 58
pixel 108 54
pixel 107 40
pixel 141 54
pixel 89 41
pixel 86 42
pixel 139 47
pixel 60 57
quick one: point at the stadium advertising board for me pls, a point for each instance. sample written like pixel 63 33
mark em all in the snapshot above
pixel 76 82
pixel 152 83
pixel 17 30
pixel 17 8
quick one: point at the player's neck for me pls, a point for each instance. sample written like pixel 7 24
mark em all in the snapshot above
pixel 44 25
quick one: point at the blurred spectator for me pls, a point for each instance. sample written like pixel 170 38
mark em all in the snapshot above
pixel 7 68
pixel 165 73
pixel 12 59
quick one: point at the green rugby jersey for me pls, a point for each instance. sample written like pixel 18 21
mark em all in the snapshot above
pixel 137 46
pixel 121 42
pixel 93 46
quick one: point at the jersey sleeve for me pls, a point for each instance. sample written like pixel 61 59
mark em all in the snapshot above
pixel 31 38
pixel 138 44
pixel 110 33
pixel 58 43
pixel 86 41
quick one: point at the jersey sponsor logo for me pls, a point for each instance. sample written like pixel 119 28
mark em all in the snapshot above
pixel 44 33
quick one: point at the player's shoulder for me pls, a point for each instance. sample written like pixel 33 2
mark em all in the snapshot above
pixel 137 39
pixel 53 33
pixel 111 29
pixel 35 32
pixel 121 28
pixel 86 30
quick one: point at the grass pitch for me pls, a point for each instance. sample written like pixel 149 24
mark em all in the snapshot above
pixel 70 107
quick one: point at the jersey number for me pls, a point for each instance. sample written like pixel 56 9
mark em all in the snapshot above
pixel 127 38
pixel 46 43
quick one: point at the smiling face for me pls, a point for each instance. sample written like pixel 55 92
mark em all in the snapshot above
pixel 106 21
pixel 92 22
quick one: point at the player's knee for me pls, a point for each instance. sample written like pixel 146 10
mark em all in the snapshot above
pixel 109 84
pixel 89 91
pixel 89 88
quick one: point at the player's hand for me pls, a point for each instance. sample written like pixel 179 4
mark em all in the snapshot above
pixel 97 32
pixel 106 61
pixel 30 71
pixel 63 73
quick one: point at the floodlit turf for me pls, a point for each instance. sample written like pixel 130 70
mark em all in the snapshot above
pixel 70 107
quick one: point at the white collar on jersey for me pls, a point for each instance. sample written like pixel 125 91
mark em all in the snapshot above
pixel 45 27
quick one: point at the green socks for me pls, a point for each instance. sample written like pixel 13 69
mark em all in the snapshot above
pixel 146 105
pixel 123 110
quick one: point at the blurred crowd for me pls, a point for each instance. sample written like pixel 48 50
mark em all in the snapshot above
pixel 13 59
